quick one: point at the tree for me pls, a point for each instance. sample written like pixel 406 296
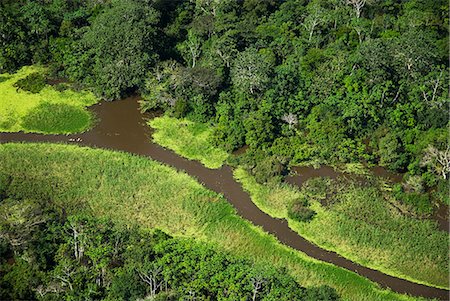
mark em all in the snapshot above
pixel 438 160
pixel 18 222
pixel 191 48
pixel 435 88
pixel 120 42
pixel 390 152
pixel 257 284
pixel 225 48
pixel 357 5
pixel 250 72
pixel 291 119
pixel 414 58
pixel 259 127
pixel 315 16
pixel 151 274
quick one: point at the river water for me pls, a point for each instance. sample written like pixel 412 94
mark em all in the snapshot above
pixel 122 127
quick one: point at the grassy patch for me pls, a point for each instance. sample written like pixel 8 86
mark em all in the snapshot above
pixel 362 226
pixel 57 118
pixel 47 111
pixel 135 190
pixel 188 139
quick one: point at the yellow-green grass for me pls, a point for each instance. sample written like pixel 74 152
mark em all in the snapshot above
pixel 188 139
pixel 363 227
pixel 136 190
pixel 49 111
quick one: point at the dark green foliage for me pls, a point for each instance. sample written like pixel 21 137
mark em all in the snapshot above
pixel 300 211
pixel 120 45
pixel 420 202
pixel 33 83
pixel 57 118
pixel 13 37
pixel 264 166
pixel 321 293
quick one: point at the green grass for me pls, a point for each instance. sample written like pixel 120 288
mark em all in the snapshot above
pixel 362 226
pixel 188 139
pixel 135 190
pixel 47 112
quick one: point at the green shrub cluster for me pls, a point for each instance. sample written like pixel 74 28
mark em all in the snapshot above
pixel 33 83
pixel 300 211
pixel 419 202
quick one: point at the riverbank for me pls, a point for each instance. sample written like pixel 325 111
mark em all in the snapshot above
pixel 188 139
pixel 363 225
pixel 122 127
pixel 137 191
pixel 358 223
pixel 47 111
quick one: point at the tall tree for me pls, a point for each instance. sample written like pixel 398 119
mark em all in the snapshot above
pixel 121 43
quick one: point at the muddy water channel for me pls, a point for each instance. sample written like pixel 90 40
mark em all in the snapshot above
pixel 301 174
pixel 122 127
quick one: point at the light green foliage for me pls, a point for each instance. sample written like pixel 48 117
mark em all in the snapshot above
pixel 361 225
pixel 250 72
pixel 188 139
pixel 270 199
pixel 49 111
pixel 136 191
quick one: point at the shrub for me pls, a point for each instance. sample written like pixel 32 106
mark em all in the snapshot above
pixel 263 165
pixel 268 170
pixel 299 211
pixel 321 293
pixel 180 109
pixel 33 83
pixel 420 203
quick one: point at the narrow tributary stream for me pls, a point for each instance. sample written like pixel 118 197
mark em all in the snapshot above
pixel 122 127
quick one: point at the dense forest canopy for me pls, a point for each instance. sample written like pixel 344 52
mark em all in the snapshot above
pixel 322 81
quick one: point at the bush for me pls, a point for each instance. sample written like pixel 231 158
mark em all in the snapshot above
pixel 180 109
pixel 441 192
pixel 33 83
pixel 419 202
pixel 321 293
pixel 263 165
pixel 268 170
pixel 300 212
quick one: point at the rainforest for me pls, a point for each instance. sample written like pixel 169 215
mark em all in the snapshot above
pixel 224 150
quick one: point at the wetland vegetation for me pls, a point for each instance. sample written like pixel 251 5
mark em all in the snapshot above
pixel 263 87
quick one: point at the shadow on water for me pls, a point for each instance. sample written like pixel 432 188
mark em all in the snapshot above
pixel 122 127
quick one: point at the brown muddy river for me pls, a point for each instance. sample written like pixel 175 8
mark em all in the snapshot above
pixel 122 127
